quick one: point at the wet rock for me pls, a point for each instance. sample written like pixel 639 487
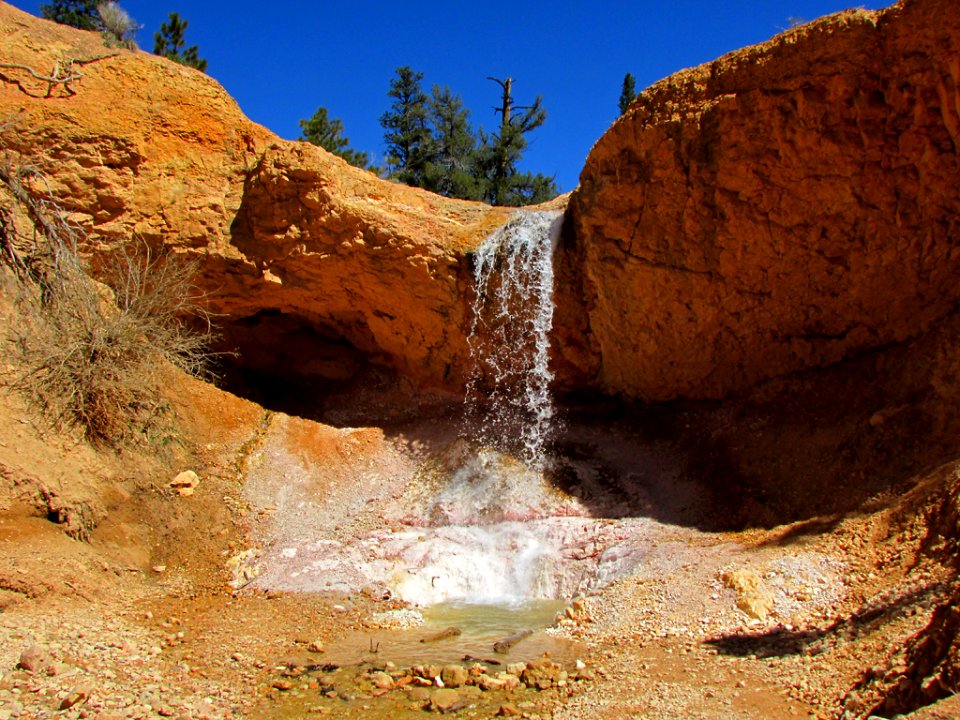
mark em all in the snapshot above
pixel 542 674
pixel 450 632
pixel 453 676
pixel 382 681
pixel 444 700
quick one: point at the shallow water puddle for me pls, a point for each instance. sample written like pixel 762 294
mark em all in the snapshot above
pixel 479 628
pixel 468 659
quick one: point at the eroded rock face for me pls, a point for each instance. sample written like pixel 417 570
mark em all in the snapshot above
pixel 784 207
pixel 781 208
pixel 330 266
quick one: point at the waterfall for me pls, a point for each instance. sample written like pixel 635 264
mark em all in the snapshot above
pixel 508 390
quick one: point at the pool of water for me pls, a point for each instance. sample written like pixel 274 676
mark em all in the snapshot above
pixel 480 626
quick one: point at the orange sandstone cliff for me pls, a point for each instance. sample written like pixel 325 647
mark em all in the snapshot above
pixel 299 252
pixel 783 207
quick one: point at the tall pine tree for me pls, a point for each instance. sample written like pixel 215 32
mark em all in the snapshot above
pixel 76 13
pixel 452 170
pixel 408 137
pixel 327 132
pixel 169 43
pixel 430 144
pixel 628 92
pixel 502 151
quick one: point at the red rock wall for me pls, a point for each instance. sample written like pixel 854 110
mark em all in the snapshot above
pixel 781 208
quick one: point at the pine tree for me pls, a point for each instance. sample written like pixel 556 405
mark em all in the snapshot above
pixel 502 151
pixel 408 136
pixel 76 13
pixel 628 92
pixel 169 43
pixel 452 170
pixel 327 133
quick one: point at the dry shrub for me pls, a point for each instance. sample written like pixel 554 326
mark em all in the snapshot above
pixel 88 354
pixel 119 28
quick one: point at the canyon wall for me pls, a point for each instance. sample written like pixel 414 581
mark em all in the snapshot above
pixel 784 207
pixel 312 266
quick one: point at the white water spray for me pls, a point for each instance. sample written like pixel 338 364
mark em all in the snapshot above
pixel 480 522
pixel 508 392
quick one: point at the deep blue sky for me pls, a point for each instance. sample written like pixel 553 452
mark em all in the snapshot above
pixel 282 60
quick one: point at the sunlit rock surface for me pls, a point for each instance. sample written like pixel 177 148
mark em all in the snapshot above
pixel 783 207
pixel 314 254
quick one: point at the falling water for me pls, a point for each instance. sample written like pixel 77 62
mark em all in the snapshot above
pixel 508 393
pixel 481 522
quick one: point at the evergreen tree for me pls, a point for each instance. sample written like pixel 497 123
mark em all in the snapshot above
pixel 628 92
pixel 327 132
pixel 169 43
pixel 452 170
pixel 502 151
pixel 408 136
pixel 76 13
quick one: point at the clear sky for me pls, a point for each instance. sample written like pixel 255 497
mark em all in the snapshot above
pixel 283 59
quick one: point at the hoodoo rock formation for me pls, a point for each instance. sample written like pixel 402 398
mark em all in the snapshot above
pixel 784 207
pixel 314 266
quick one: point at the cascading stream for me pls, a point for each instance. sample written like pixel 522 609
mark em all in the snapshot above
pixel 508 393
pixel 479 521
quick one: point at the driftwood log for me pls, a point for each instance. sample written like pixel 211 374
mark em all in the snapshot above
pixel 442 635
pixel 503 646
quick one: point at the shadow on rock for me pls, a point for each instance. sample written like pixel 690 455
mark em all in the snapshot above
pixel 780 642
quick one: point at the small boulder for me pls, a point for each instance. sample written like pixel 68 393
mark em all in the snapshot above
pixel 185 483
pixel 516 668
pixel 542 674
pixel 382 681
pixel 73 699
pixel 753 597
pixel 490 684
pixel 419 695
pixel 34 659
pixel 444 699
pixel 453 676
